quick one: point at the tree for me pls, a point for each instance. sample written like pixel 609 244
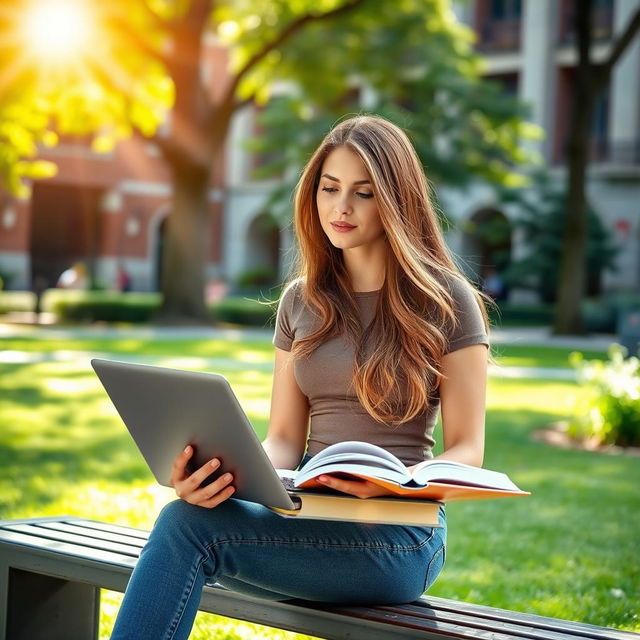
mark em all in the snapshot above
pixel 320 45
pixel 540 214
pixel 591 79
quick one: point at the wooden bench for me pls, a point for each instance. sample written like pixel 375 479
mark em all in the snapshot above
pixel 52 569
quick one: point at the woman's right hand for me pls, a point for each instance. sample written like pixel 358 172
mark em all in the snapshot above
pixel 187 485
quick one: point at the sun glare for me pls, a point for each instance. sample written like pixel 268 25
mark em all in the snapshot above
pixel 57 29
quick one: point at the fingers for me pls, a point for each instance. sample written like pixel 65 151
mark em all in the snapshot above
pixel 188 485
pixel 179 469
pixel 358 488
pixel 210 496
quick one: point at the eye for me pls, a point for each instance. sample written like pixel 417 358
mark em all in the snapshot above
pixel 364 196
pixel 329 189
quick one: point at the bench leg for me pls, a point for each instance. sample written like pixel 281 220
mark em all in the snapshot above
pixel 39 607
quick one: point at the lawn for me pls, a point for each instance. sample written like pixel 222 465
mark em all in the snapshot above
pixel 570 550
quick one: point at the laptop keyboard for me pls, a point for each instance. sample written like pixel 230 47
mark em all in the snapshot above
pixel 288 484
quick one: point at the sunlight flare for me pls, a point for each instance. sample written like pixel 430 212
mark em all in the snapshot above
pixel 57 29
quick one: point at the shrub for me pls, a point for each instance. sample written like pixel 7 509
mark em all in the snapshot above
pixel 603 314
pixel 507 314
pixel 610 411
pixel 256 277
pixel 102 306
pixel 244 311
pixel 16 301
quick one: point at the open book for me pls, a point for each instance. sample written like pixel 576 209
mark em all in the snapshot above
pixel 441 480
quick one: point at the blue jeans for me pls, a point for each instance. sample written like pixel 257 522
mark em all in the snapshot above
pixel 250 549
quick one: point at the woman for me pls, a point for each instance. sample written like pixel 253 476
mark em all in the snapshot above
pixel 376 334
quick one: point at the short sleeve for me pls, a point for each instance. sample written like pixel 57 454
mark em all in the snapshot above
pixel 469 328
pixel 285 332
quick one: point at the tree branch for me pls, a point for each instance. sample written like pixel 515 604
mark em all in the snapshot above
pixel 284 35
pixel 604 69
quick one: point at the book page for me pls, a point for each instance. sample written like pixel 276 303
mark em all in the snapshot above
pixel 458 473
pixel 355 448
pixel 350 458
pixel 358 470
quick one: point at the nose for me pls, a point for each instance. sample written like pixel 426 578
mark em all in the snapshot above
pixel 343 206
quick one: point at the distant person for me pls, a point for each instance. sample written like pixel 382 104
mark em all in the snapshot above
pixel 38 286
pixel 215 290
pixel 493 285
pixel 123 280
pixel 75 277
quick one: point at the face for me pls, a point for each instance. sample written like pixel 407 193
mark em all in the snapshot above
pixel 346 203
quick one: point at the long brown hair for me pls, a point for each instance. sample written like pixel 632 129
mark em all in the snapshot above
pixel 392 380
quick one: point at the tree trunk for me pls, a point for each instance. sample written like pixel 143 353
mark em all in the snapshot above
pixel 571 285
pixel 188 232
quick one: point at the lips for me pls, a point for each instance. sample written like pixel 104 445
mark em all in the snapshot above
pixel 342 226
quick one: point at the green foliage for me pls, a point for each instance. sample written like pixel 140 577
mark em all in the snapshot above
pixel 540 216
pixel 418 67
pixel 610 411
pixel 103 306
pixel 603 314
pixel 257 276
pixel 137 307
pixel 244 311
pixel 114 85
pixel 505 314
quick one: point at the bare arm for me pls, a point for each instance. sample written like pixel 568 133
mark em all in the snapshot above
pixel 289 418
pixel 462 404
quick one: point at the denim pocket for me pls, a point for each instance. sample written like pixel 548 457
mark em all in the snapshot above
pixel 435 566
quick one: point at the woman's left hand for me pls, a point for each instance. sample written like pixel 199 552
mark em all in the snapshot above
pixel 357 488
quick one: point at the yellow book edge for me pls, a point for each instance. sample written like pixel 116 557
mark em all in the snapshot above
pixel 386 510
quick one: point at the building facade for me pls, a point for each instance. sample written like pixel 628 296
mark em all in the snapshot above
pixel 109 210
pixel 530 49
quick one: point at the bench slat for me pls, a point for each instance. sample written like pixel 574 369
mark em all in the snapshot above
pixel 95 534
pixel 437 625
pixel 113 528
pixel 67 549
pixel 510 628
pixel 553 624
pixel 38 532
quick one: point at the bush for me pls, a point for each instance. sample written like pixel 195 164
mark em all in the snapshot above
pixel 16 301
pixel 244 311
pixel 610 412
pixel 136 307
pixel 520 315
pixel 602 315
pixel 256 277
pixel 102 306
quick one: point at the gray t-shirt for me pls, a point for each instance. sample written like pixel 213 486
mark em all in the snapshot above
pixel 325 376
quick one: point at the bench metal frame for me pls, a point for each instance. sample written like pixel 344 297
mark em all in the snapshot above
pixel 52 569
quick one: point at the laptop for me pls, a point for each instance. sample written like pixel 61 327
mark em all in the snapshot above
pixel 167 409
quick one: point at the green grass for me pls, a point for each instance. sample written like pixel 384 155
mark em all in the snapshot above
pixel 570 550
pixel 527 356
pixel 256 351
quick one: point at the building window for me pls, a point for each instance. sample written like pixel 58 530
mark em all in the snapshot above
pixel 601 21
pixel 508 82
pixel 498 24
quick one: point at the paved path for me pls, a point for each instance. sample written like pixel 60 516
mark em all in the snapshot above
pixel 521 336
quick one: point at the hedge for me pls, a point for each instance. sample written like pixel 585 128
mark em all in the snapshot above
pixel 254 309
pixel 133 307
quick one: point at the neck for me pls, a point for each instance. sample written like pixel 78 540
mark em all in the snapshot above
pixel 366 266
